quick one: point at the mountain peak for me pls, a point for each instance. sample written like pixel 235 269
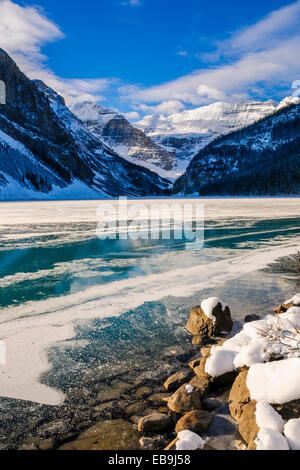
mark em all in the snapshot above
pixel 92 111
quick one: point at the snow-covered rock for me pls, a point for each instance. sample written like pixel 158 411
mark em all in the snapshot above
pixel 211 318
pixel 208 306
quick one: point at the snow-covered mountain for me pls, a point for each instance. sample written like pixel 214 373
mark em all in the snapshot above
pixel 47 153
pixel 261 159
pixel 129 142
pixel 189 131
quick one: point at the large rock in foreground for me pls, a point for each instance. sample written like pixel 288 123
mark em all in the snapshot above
pixel 209 319
pixel 187 398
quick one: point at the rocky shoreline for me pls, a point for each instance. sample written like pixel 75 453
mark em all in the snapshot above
pixel 199 398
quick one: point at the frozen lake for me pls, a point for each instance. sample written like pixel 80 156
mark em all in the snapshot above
pixel 70 302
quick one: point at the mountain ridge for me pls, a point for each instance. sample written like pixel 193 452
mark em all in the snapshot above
pixel 260 159
pixel 45 150
pixel 117 132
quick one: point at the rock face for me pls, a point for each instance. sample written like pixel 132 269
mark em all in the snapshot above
pixel 243 409
pixel 184 400
pixel 195 421
pixel 204 328
pixel 119 134
pixel 47 153
pixel 106 435
pixel 239 395
pixel 248 428
pixel 154 422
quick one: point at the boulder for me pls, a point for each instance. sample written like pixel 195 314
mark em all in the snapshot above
pixel 134 419
pixel 143 392
pixel 149 443
pixel 207 382
pixel 195 362
pixel 203 327
pixel 178 379
pixel 290 410
pixel 211 403
pixel 136 408
pixel 239 395
pixel 202 380
pixel 223 380
pixel 251 318
pixel 195 421
pixel 106 435
pixel 282 308
pixel 154 422
pixel 159 398
pixel 248 428
pixel 105 409
pixel 48 444
pixel 186 398
pixel 113 393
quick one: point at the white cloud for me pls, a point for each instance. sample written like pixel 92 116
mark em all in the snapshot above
pixel 133 3
pixel 165 107
pixel 132 115
pixel 23 32
pixel 268 31
pixel 257 59
pixel 263 56
pixel 182 53
pixel 25 29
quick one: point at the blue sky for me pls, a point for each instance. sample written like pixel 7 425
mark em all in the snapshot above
pixel 146 56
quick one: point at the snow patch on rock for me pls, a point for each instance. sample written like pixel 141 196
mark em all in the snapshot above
pixel 275 382
pixel 208 305
pixel 267 417
pixel 269 439
pixel 188 440
pixel 292 433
